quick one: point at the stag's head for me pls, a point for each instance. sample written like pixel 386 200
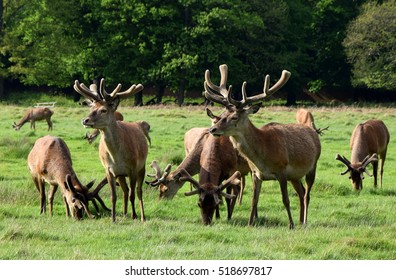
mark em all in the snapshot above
pixel 356 170
pixel 167 184
pixel 237 113
pixel 76 201
pixel 103 104
pixel 209 195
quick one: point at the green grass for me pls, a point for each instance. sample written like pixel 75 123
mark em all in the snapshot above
pixel 343 224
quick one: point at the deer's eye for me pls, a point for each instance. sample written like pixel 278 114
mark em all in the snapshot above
pixel 103 110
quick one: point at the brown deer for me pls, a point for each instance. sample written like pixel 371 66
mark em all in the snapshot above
pixel 303 116
pixel 282 152
pixel 123 146
pixel 368 141
pixel 91 137
pixel 50 161
pixel 217 161
pixel 210 193
pixel 33 115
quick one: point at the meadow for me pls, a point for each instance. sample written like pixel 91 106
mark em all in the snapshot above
pixel 342 224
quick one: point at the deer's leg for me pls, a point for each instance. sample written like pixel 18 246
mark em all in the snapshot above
pixel 49 122
pixel 112 185
pixel 51 194
pixel 40 185
pixel 375 172
pixel 140 179
pixel 285 199
pixel 309 181
pixel 383 157
pixel 124 187
pixel 256 194
pixel 242 188
pixel 235 190
pixel 301 194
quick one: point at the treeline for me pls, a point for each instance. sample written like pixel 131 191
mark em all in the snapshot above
pixel 331 45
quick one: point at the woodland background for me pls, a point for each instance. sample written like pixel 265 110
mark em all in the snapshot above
pixel 335 49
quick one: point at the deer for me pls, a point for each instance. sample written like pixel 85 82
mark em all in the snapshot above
pixel 91 137
pixel 209 193
pixel 304 116
pixel 123 146
pixel 35 114
pixel 282 152
pixel 217 161
pixel 50 161
pixel 368 141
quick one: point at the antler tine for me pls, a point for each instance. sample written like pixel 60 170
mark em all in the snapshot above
pixel 236 175
pixel 278 85
pixel 158 177
pixel 185 176
pixel 86 92
pixel 116 92
pixel 219 93
pixel 156 168
pixel 345 161
pixel 369 159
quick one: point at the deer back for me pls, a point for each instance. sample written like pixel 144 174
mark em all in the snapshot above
pixel 288 149
pixel 369 138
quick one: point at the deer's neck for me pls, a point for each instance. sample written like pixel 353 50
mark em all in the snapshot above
pixel 359 149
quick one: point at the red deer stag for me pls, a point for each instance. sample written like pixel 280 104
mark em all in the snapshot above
pixel 50 161
pixel 303 116
pixel 217 161
pixel 209 192
pixel 123 146
pixel 91 137
pixel 282 152
pixel 368 140
pixel 33 115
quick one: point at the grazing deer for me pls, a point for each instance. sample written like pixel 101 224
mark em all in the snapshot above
pixel 282 152
pixel 123 146
pixel 209 192
pixel 368 141
pixel 33 115
pixel 217 161
pixel 50 161
pixel 303 116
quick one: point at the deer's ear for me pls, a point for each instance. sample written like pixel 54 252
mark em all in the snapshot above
pixel 114 103
pixel 253 109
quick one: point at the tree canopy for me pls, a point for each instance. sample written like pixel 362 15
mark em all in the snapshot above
pixel 171 43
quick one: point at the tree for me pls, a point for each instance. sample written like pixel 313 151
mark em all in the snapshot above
pixel 370 46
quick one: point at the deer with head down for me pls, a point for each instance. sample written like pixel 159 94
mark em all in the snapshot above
pixel 35 114
pixel 123 146
pixel 368 141
pixel 50 161
pixel 282 152
pixel 303 116
pixel 217 161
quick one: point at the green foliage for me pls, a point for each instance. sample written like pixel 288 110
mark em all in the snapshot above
pixel 343 224
pixel 370 46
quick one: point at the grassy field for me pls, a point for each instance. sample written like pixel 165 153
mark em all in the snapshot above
pixel 342 223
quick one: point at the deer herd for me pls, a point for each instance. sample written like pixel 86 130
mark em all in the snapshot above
pixel 222 155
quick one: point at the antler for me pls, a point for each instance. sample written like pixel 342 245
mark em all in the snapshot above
pixel 158 177
pixel 95 195
pixel 345 161
pixel 220 94
pixel 368 160
pixel 234 179
pixel 93 95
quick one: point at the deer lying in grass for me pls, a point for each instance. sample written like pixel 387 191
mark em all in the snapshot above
pixel 303 116
pixel 282 152
pixel 123 146
pixel 50 161
pixel 33 115
pixel 368 140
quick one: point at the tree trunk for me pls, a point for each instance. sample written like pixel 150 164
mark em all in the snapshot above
pixel 180 93
pixel 160 94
